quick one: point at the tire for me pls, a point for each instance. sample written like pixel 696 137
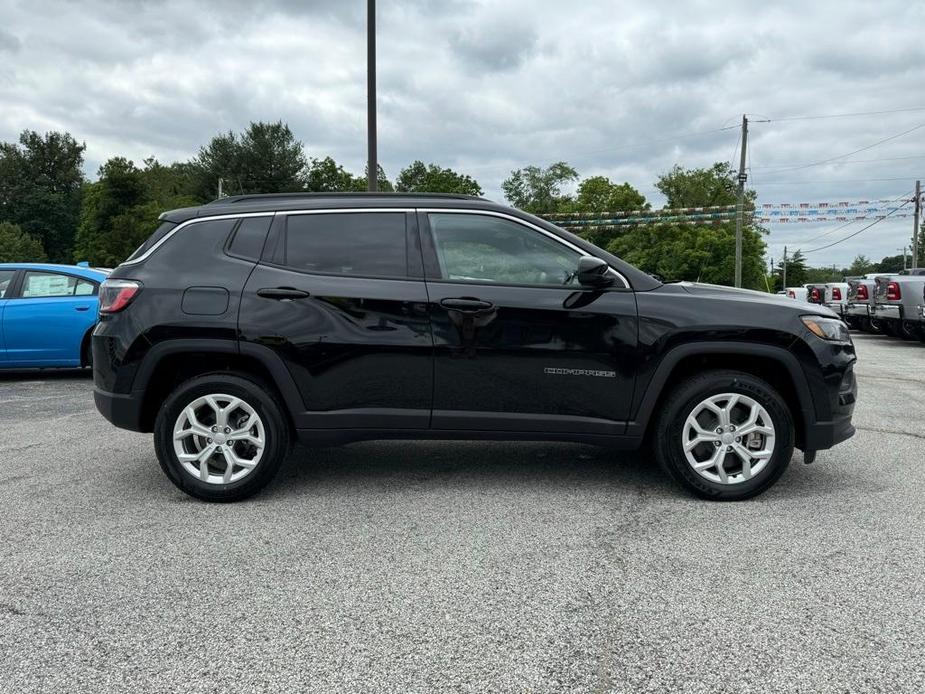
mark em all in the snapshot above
pixel 908 330
pixel 672 430
pixel 246 477
pixel 888 328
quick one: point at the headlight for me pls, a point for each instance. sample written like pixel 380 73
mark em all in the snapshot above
pixel 830 329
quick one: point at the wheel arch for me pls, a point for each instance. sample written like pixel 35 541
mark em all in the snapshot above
pixel 777 366
pixel 174 361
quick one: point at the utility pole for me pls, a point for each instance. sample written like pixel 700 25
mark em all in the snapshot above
pixel 904 256
pixel 916 231
pixel 784 279
pixel 220 195
pixel 372 174
pixel 740 203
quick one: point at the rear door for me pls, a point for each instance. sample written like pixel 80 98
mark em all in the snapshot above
pixel 519 345
pixel 339 295
pixel 45 322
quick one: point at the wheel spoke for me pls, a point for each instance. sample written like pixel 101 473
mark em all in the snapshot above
pixel 699 439
pixel 229 464
pixel 204 456
pixel 746 458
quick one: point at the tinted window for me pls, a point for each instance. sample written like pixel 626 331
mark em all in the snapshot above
pixel 249 237
pixel 46 284
pixel 158 234
pixel 490 249
pixel 6 277
pixel 370 244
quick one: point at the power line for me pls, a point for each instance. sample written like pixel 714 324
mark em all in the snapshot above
pixel 849 115
pixel 865 161
pixel 851 236
pixel 842 156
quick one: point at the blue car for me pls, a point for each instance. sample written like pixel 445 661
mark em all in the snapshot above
pixel 47 313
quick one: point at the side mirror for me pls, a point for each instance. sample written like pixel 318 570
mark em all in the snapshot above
pixel 593 272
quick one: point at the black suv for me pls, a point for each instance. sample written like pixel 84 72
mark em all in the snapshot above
pixel 248 323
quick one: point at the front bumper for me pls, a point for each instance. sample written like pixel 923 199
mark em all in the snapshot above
pixel 121 409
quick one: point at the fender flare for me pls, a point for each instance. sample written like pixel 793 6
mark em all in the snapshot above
pixel 273 363
pixel 659 379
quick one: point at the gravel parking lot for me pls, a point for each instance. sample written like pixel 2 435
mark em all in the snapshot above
pixel 460 566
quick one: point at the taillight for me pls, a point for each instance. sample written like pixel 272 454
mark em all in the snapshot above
pixel 862 293
pixel 836 294
pixel 893 292
pixel 115 295
pixel 814 296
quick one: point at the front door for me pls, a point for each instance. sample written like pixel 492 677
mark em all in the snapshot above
pixel 519 345
pixel 340 297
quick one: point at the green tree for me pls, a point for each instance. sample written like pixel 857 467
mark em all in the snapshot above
pixel 40 185
pixel 860 266
pixel 704 253
pixel 599 194
pixel 538 190
pixel 265 158
pixel 891 263
pixel 430 178
pixel 16 246
pixel 360 182
pixel 797 271
pixel 327 176
pixel 120 210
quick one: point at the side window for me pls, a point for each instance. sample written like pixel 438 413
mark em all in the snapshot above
pixel 156 236
pixel 490 249
pixel 366 244
pixel 249 237
pixel 6 279
pixel 51 284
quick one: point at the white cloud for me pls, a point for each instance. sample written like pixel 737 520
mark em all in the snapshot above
pixel 613 88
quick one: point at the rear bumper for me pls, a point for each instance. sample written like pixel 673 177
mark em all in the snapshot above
pixel 862 310
pixel 888 311
pixel 121 409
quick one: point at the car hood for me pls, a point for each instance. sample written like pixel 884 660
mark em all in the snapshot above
pixel 751 296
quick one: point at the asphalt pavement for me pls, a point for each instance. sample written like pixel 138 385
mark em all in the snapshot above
pixel 444 566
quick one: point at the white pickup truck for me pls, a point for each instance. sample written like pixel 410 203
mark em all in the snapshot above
pixel 899 304
pixel 831 294
pixel 859 309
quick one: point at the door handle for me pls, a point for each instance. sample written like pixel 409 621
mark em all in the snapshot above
pixel 282 293
pixel 81 308
pixel 466 304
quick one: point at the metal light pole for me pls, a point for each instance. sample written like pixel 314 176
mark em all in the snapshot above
pixel 740 204
pixel 372 165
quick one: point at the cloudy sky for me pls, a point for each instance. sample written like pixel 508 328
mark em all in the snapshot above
pixel 622 89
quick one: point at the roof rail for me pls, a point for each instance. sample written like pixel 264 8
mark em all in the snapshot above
pixel 297 196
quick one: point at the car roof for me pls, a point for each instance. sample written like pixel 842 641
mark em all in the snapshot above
pixel 281 202
pixel 89 273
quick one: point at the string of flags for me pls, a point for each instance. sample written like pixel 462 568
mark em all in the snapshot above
pixel 764 213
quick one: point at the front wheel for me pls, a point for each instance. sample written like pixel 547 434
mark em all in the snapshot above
pixel 724 435
pixel 221 437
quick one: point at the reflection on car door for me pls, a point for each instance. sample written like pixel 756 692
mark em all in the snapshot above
pixel 44 325
pixel 340 297
pixel 519 346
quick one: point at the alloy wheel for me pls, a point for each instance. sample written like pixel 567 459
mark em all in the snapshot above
pixel 219 439
pixel 728 438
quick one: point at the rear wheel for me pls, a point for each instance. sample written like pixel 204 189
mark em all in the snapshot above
pixel 724 435
pixel 220 437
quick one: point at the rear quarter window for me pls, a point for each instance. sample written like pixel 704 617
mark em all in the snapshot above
pixel 158 234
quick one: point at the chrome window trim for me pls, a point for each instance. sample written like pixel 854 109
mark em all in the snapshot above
pixel 523 222
pixel 347 210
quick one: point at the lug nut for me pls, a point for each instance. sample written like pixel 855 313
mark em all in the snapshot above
pixel 227 430
pixel 719 430
pixel 208 440
pixel 738 438
pixel 728 448
pixel 716 443
pixel 214 429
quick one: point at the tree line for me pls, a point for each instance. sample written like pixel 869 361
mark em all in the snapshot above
pixel 49 210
